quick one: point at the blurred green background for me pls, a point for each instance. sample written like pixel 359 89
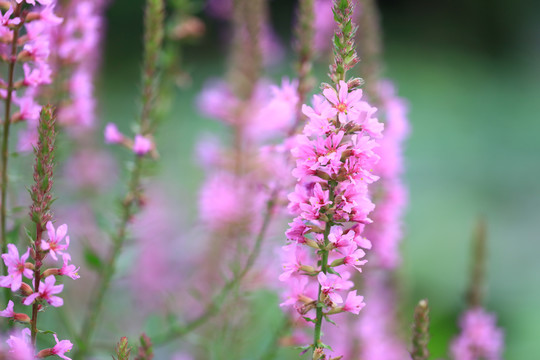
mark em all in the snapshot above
pixel 469 70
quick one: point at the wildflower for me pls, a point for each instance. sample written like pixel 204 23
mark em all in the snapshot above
pixel 16 268
pixel 46 292
pixel 142 145
pixel 55 237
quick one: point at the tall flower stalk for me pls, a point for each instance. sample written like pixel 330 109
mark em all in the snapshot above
pixel 54 245
pixel 334 160
pixel 141 146
pixel 26 30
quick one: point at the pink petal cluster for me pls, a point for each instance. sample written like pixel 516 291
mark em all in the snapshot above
pixel 140 145
pixel 16 267
pixel 32 53
pixel 386 231
pixel 269 113
pixel 77 42
pixel 20 347
pixel 335 159
pixel 56 243
pixel 480 337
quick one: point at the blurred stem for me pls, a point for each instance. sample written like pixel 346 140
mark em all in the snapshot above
pixel 317 344
pixel 370 47
pixel 475 292
pixel 304 37
pixel 273 347
pixel 106 274
pixel 5 147
pixel 153 43
pixel 217 301
pixel 420 339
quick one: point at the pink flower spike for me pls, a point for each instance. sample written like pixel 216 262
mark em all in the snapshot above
pixel 354 303
pixel 46 292
pixel 55 237
pixel 142 145
pixel 112 135
pixel 16 268
pixel 8 312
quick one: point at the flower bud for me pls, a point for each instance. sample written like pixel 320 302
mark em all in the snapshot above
pixel 26 290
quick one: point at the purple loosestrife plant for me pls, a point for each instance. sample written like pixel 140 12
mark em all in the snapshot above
pixel 334 163
pixel 56 243
pixel 141 146
pixel 25 29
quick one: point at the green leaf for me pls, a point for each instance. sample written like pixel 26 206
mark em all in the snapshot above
pixel 92 259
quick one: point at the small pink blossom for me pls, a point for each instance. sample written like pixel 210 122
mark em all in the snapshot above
pixel 69 270
pixel 61 348
pixel 20 347
pixel 346 104
pixel 480 337
pixel 142 145
pixel 55 237
pixel 8 312
pixel 330 283
pixel 112 135
pixel 46 292
pixel 354 303
pixel 16 268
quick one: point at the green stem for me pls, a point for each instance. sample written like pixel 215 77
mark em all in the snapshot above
pixel 5 147
pixel 37 278
pixel 324 268
pixel 215 305
pixel 105 276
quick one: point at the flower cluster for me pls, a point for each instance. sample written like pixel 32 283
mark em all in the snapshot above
pixel 77 40
pixel 26 29
pixel 46 291
pixel 391 193
pixel 141 145
pixel 479 339
pixel 268 114
pixel 334 161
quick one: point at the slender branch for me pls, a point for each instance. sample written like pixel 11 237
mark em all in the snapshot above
pixel 5 144
pixel 475 292
pixel 217 301
pixel 317 345
pixel 304 36
pixel 154 18
pixel 370 47
pixel 420 339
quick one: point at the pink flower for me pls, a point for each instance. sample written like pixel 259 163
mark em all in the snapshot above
pixel 347 104
pixel 61 348
pixel 354 303
pixel 20 347
pixel 479 338
pixel 112 135
pixel 16 268
pixel 142 145
pixel 293 256
pixel 8 312
pixel 46 292
pixel 55 237
pixel 330 283
pixel 338 239
pixel 69 270
pixel 353 256
pixel 5 20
